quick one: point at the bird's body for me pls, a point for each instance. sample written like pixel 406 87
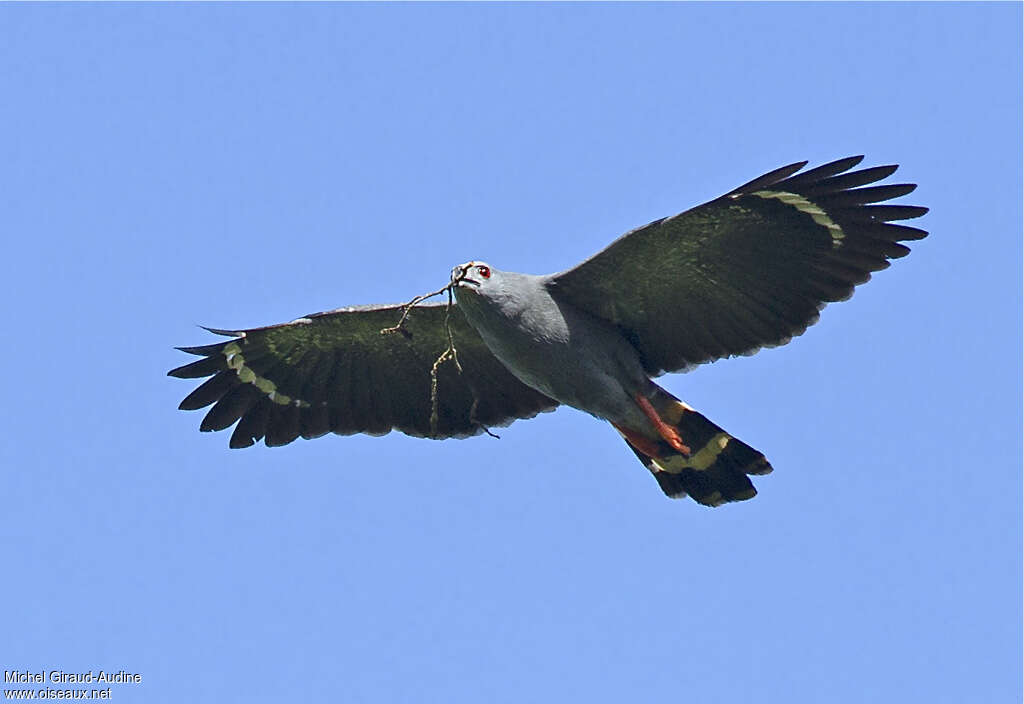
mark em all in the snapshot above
pixel 750 269
pixel 533 334
pixel 584 361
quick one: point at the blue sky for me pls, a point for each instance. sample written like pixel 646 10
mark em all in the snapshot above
pixel 239 165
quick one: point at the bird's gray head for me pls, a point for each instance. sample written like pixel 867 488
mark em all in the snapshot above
pixel 474 276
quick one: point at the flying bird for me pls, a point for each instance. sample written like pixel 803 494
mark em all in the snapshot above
pixel 750 269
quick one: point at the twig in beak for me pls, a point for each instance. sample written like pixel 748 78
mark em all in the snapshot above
pixel 411 304
pixel 450 352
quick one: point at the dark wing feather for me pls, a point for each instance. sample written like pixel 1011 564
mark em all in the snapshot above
pixel 748 270
pixel 336 372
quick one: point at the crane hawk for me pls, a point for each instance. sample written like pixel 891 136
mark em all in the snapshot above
pixel 750 269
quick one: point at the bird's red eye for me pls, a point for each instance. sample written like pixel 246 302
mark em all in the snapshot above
pixel 484 271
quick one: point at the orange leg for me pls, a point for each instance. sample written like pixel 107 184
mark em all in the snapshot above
pixel 664 429
pixel 641 442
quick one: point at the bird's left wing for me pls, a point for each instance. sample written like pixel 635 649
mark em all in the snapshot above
pixel 748 270
pixel 337 372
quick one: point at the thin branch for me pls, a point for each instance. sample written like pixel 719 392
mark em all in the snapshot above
pixel 448 329
pixel 407 307
pixel 450 352
pixel 434 415
pixel 472 416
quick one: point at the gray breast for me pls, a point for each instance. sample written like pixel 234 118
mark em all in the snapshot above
pixel 555 348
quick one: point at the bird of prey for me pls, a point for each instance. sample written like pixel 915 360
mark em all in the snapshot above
pixel 750 269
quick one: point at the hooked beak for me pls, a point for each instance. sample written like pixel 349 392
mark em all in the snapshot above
pixel 459 276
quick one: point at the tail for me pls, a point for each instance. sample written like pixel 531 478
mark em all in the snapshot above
pixel 716 468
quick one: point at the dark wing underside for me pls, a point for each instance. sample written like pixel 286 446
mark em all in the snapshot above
pixel 336 372
pixel 748 270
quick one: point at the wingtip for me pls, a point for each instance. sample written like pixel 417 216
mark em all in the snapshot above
pixel 905 212
pixel 222 332
pixel 240 442
pixel 844 164
pixel 830 168
pixel 202 350
pixel 768 179
pixel 192 350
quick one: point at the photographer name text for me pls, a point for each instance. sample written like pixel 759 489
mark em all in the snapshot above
pixel 61 677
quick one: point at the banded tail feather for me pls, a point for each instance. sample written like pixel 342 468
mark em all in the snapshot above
pixel 717 467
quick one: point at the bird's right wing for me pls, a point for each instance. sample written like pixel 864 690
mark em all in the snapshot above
pixel 748 270
pixel 338 372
